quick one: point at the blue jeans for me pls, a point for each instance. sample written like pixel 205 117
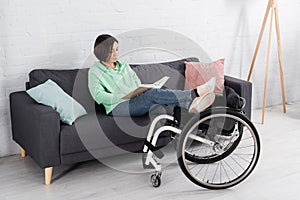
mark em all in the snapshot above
pixel 140 105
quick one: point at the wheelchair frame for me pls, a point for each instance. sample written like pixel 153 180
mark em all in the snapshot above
pixel 151 152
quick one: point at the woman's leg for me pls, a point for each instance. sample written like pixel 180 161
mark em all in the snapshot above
pixel 193 100
pixel 140 105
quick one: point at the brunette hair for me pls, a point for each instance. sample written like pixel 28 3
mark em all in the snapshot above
pixel 103 46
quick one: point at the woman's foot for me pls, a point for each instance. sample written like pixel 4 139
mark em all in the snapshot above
pixel 206 96
pixel 207 87
pixel 201 103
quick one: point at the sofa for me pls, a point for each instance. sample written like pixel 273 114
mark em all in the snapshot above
pixel 40 133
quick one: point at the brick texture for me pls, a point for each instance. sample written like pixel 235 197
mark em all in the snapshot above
pixel 60 33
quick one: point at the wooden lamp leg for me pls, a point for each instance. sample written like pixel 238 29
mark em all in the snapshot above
pixel 259 38
pixel 267 70
pixel 48 175
pixel 279 55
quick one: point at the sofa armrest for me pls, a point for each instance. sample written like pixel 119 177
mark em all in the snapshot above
pixel 36 128
pixel 244 89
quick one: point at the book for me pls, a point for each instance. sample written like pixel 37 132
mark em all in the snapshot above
pixel 144 87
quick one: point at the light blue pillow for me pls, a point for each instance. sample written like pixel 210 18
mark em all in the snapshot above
pixel 50 94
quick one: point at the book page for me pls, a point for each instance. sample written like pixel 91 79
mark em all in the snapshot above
pixel 144 87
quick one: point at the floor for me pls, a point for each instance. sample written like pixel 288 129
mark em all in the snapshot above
pixel 277 175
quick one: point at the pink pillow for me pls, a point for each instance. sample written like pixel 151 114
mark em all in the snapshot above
pixel 198 73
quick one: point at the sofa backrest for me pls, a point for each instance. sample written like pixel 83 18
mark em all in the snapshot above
pixel 64 78
pixel 149 73
pixel 75 81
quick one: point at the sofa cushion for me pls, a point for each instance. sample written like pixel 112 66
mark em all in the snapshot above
pixel 94 131
pixel 98 131
pixel 50 94
pixel 149 73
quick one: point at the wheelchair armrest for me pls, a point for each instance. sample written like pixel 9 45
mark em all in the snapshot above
pixel 244 89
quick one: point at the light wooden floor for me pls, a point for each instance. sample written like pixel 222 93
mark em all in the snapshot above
pixel 277 175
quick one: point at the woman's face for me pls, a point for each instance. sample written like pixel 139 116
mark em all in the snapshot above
pixel 113 55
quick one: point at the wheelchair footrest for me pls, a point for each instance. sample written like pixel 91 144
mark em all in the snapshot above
pixel 158 153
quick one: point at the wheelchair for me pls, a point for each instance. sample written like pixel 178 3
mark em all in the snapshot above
pixel 216 149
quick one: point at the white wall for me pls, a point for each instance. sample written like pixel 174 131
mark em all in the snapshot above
pixel 60 34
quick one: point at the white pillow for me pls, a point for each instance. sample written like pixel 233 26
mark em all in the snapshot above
pixel 50 94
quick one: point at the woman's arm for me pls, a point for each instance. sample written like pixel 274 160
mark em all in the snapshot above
pixel 98 92
pixel 134 76
pixel 102 96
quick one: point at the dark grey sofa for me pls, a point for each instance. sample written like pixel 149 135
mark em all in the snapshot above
pixel 40 133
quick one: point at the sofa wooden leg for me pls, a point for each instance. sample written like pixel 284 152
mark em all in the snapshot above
pixel 48 175
pixel 23 152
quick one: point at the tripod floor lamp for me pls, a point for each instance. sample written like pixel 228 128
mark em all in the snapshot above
pixel 273 8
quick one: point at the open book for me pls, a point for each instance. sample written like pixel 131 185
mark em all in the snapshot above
pixel 143 87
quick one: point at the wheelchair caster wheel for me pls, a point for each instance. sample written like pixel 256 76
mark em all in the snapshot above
pixel 155 180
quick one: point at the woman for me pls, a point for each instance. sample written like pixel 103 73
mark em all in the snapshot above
pixel 109 80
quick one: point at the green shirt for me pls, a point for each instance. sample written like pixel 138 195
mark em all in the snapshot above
pixel 107 86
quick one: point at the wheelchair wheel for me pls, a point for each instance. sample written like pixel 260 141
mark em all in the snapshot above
pixel 229 159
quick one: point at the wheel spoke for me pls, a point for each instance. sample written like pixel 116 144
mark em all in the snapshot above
pixel 237 162
pixel 215 173
pixel 241 158
pixel 231 168
pixel 205 172
pixel 225 170
pixel 245 147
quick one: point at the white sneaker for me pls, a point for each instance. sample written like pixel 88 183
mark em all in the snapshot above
pixel 201 103
pixel 207 87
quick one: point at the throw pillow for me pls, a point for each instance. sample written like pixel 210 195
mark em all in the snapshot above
pixel 50 94
pixel 197 73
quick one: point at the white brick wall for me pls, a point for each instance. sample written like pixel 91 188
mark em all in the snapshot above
pixel 60 34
